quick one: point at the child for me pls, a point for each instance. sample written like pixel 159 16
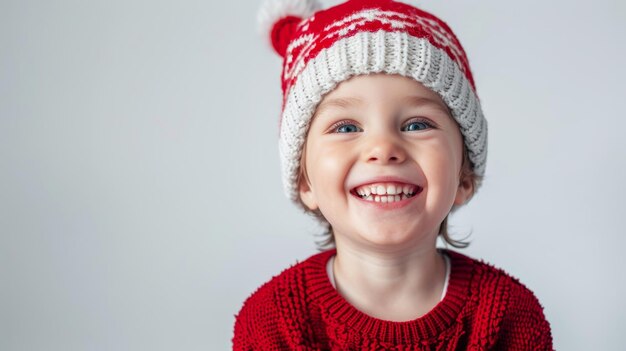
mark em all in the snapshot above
pixel 381 136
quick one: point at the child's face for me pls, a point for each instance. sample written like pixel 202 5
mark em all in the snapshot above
pixel 400 135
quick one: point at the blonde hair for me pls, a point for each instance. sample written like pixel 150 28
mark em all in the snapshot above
pixel 328 238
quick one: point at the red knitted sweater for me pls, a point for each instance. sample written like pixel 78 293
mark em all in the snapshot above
pixel 483 309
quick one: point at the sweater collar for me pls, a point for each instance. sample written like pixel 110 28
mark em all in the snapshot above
pixel 432 324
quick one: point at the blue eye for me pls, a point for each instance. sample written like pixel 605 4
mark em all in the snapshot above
pixel 416 125
pixel 346 128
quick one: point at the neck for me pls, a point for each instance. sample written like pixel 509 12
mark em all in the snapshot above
pixel 384 283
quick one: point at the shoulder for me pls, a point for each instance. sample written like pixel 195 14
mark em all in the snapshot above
pixel 277 304
pixel 491 281
pixel 513 310
pixel 289 280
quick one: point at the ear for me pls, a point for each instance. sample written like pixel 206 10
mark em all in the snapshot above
pixel 464 192
pixel 307 195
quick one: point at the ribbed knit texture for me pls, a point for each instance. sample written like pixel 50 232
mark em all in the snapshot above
pixel 484 309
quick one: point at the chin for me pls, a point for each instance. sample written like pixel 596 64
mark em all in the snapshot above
pixel 391 237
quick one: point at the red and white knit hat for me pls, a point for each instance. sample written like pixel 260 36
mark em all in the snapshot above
pixel 322 48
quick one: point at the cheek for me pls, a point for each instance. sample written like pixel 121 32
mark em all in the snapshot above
pixel 442 166
pixel 451 154
pixel 328 168
pixel 328 164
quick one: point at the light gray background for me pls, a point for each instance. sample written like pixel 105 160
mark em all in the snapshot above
pixel 140 196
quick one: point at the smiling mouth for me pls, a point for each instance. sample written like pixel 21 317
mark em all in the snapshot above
pixel 386 192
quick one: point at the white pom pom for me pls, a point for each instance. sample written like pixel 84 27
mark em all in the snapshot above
pixel 273 10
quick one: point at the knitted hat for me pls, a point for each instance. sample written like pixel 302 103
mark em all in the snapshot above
pixel 322 48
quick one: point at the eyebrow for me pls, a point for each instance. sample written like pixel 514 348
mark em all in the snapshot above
pixel 418 101
pixel 342 103
pixel 410 101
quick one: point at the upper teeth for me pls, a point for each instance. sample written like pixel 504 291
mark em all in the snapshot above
pixel 385 189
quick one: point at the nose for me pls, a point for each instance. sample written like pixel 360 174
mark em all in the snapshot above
pixel 384 148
